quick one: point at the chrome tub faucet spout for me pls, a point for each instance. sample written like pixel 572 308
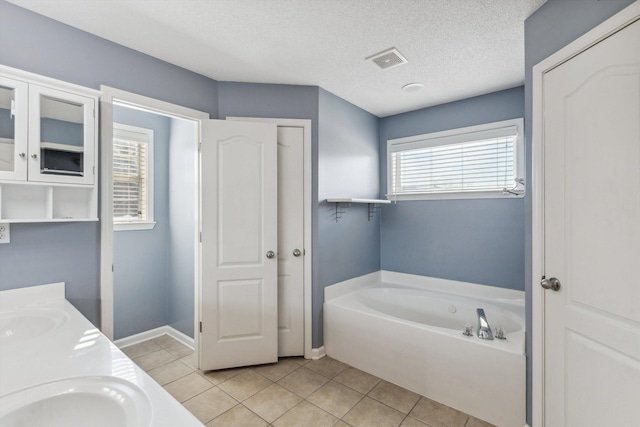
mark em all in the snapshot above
pixel 484 330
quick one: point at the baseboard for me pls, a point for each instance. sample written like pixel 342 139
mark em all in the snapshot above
pixel 155 333
pixel 318 353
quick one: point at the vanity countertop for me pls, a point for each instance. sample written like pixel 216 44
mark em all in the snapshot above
pixel 45 339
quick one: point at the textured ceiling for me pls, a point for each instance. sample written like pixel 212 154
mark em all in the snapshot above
pixel 456 48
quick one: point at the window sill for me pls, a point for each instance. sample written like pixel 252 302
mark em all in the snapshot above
pixel 134 226
pixel 455 196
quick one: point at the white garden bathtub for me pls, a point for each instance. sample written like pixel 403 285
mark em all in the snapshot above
pixel 407 330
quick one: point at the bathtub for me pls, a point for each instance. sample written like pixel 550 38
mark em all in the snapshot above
pixel 407 330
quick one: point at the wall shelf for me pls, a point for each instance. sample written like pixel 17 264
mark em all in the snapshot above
pixel 344 203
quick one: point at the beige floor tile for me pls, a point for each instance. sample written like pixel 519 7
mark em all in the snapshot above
pixel 153 360
pixel 190 361
pixel 238 416
pixel 392 395
pixel 412 422
pixel 276 371
pixel 299 360
pixel 272 402
pixel 245 385
pixel 335 398
pixel 326 366
pixel 187 387
pixel 358 380
pixel 169 372
pixel 140 349
pixel 438 415
pixel 209 404
pixel 341 424
pixel 177 349
pixel 303 382
pixel 304 414
pixel 475 422
pixel 164 340
pixel 371 413
pixel 222 375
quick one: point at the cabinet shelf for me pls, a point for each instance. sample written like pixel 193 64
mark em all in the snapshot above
pixel 343 203
pixel 20 203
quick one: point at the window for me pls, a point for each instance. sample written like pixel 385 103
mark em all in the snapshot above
pixel 474 162
pixel 132 178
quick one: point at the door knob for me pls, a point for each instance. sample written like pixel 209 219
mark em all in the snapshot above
pixel 35 156
pixel 22 155
pixel 271 254
pixel 552 283
pixel 296 252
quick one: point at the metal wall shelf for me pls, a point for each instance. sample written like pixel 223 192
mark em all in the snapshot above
pixel 344 203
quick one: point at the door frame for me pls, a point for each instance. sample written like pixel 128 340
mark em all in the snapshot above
pixel 622 19
pixel 305 124
pixel 109 95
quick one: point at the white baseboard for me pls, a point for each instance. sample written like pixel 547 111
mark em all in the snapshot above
pixel 318 353
pixel 155 333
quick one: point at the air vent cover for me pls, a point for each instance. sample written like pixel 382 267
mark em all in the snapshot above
pixel 388 59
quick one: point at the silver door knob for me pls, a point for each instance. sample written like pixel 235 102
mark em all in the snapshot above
pixel 552 283
pixel 35 156
pixel 271 254
pixel 22 155
pixel 296 252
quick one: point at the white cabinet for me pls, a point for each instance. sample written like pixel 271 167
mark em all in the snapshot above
pixel 48 156
pixel 14 98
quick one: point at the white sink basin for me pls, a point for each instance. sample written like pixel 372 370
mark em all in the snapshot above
pixel 17 326
pixel 86 401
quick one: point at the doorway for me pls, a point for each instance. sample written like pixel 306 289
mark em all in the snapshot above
pixel 134 101
pixel 118 106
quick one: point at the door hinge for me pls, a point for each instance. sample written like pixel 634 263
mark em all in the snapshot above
pixel 200 327
pixel 199 147
pixel 94 170
pixel 201 237
pixel 112 268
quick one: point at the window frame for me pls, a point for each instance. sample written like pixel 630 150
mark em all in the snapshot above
pixel 457 136
pixel 119 131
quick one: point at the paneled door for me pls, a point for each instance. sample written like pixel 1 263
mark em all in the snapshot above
pixel 591 140
pixel 290 241
pixel 239 262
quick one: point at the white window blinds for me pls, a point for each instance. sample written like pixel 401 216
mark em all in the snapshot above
pixel 472 162
pixel 131 166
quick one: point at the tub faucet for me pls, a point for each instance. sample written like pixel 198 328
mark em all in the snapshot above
pixel 484 330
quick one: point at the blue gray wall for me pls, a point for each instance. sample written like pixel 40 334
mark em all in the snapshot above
pixel 348 166
pixel 182 225
pixel 556 24
pixel 71 252
pixel 141 257
pixel 478 241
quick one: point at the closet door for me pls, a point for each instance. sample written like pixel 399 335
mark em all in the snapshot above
pixel 239 254
pixel 592 235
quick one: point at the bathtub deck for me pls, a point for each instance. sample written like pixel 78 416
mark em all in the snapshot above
pixel 292 392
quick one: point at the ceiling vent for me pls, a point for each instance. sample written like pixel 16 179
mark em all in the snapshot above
pixel 388 59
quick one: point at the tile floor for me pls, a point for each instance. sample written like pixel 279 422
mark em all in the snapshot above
pixel 292 392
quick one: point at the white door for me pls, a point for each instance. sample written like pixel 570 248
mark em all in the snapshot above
pixel 591 110
pixel 290 241
pixel 238 283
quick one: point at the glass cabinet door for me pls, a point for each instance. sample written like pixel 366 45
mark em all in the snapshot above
pixel 61 136
pixel 13 129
